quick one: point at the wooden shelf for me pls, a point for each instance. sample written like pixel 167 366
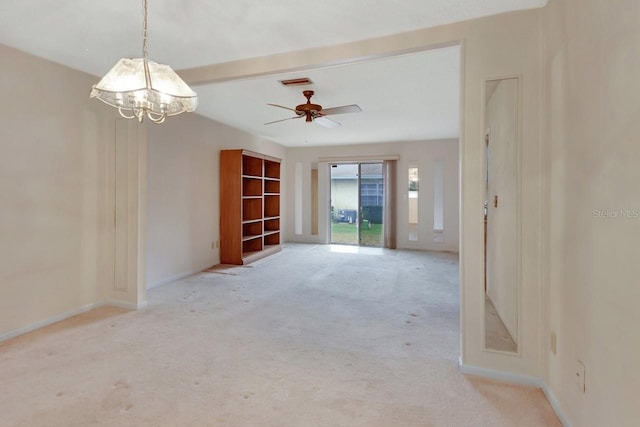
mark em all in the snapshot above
pixel 252 245
pixel 249 257
pixel 271 225
pixel 251 186
pixel 272 169
pixel 272 239
pixel 271 205
pixel 271 186
pixel 251 229
pixel 252 221
pixel 269 233
pixel 249 206
pixel 252 166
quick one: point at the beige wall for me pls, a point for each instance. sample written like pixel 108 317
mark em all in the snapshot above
pixel 55 158
pixel 57 195
pixel 56 163
pixel 60 174
pixel 418 153
pixel 183 193
pixel 592 203
pixel 501 46
pixel 491 47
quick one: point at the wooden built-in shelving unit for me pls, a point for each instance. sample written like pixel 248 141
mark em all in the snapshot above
pixel 249 206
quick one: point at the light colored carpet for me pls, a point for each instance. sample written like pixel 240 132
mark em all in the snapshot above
pixel 307 337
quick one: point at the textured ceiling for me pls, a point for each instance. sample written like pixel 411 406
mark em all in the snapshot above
pixel 409 97
pixel 91 35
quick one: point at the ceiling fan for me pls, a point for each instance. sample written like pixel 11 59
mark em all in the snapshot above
pixel 315 113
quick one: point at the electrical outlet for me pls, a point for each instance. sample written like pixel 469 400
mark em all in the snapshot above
pixel 580 374
pixel 554 343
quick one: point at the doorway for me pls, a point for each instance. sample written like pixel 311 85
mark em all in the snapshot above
pixel 357 204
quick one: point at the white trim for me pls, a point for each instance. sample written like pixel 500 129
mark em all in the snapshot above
pixel 517 379
pixel 66 315
pixel 556 406
pixel 124 304
pixel 46 322
pixel 508 377
pixel 172 279
pixel 297 199
pixel 208 74
pixel 358 158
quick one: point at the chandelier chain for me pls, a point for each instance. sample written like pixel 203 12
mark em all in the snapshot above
pixel 145 54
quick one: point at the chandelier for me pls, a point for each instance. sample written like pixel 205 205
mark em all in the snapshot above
pixel 139 87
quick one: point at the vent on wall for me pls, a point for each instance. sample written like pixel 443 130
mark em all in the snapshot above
pixel 297 82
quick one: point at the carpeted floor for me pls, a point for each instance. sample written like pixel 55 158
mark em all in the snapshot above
pixel 307 337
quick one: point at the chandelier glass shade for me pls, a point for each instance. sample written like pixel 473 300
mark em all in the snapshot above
pixel 141 88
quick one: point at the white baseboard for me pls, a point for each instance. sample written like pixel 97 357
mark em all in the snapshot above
pixel 172 279
pixel 495 374
pixel 63 316
pixel 556 406
pixel 517 379
pixel 125 304
pixel 48 321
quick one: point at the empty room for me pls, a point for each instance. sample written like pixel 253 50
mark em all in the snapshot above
pixel 407 213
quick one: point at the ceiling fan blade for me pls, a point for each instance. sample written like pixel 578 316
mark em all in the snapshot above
pixel 328 123
pixel 282 106
pixel 345 109
pixel 282 120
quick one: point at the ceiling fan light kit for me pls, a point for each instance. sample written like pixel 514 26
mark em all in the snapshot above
pixel 141 88
pixel 315 113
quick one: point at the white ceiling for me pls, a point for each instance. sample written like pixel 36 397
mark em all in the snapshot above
pixel 410 97
pixel 407 97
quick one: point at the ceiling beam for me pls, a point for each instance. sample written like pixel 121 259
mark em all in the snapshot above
pixel 328 56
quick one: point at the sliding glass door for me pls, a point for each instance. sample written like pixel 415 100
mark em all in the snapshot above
pixel 357 204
